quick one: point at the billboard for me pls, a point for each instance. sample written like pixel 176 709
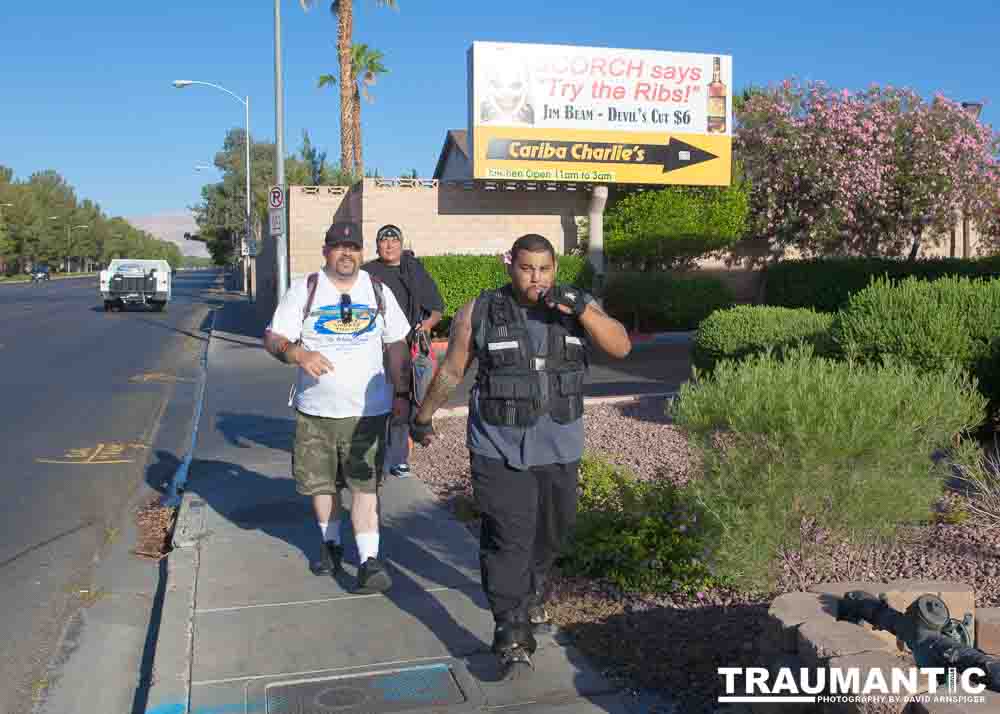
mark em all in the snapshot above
pixel 592 114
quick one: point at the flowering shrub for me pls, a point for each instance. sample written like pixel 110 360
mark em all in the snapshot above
pixel 871 172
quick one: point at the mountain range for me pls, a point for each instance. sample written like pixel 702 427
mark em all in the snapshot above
pixel 172 227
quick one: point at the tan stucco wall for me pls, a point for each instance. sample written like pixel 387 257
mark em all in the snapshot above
pixel 435 218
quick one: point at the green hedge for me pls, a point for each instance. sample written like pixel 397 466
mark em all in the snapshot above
pixel 826 284
pixel 649 302
pixel 931 324
pixel 461 278
pixel 811 442
pixel 744 330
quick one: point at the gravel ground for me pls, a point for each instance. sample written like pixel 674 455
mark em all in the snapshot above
pixel 674 644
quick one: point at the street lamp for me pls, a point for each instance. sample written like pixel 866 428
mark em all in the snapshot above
pixel 180 84
pixel 69 230
pixel 280 240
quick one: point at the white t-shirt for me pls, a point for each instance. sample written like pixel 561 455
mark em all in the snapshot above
pixel 358 384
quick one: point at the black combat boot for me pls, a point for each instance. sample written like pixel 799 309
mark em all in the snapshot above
pixel 513 644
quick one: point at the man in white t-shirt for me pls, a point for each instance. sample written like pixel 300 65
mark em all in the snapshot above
pixel 333 325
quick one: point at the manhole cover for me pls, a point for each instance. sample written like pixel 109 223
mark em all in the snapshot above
pixel 382 693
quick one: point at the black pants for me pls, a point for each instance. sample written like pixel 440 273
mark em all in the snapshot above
pixel 526 519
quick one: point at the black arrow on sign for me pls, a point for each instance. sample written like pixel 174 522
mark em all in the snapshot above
pixel 678 154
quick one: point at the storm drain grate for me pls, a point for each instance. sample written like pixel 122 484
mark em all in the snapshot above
pixel 381 693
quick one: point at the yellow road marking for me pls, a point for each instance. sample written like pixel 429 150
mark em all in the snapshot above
pixel 158 377
pixel 110 453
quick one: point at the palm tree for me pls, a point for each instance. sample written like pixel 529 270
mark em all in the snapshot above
pixel 366 66
pixel 344 12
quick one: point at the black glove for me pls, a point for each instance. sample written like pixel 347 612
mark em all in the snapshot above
pixel 566 295
pixel 420 432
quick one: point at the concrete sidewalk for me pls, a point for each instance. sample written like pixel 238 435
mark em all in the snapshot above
pixel 247 628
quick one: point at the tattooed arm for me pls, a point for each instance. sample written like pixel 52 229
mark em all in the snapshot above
pixel 452 370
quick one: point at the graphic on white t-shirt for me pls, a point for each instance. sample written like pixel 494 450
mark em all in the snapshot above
pixel 354 321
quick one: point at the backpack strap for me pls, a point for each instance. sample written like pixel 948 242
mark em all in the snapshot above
pixel 311 283
pixel 378 286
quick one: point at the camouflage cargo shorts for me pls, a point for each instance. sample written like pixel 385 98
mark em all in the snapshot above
pixel 330 454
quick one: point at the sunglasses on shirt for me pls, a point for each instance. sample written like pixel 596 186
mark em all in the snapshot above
pixel 346 313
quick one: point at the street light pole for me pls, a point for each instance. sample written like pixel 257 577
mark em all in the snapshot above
pixel 69 245
pixel 180 84
pixel 280 240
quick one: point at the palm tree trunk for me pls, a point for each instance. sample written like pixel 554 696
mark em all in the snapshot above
pixel 345 28
pixel 359 168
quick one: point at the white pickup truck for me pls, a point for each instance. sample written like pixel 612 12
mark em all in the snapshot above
pixel 136 282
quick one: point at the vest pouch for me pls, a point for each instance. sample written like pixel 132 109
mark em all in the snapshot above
pixel 510 400
pixel 574 350
pixel 504 353
pixel 567 402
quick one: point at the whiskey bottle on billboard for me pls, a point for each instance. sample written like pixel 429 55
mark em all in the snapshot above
pixel 716 101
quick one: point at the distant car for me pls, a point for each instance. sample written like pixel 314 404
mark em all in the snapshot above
pixel 39 273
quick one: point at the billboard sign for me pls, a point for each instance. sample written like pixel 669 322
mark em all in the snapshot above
pixel 591 114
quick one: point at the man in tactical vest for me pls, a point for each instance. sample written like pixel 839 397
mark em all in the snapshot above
pixel 533 340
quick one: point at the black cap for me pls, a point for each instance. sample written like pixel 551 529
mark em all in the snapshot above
pixel 389 232
pixel 344 232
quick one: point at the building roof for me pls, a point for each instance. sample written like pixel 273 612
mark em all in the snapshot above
pixel 456 139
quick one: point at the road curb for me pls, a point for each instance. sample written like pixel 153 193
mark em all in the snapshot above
pixel 190 526
pixel 170 690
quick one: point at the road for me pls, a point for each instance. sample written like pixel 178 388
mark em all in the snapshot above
pixel 88 399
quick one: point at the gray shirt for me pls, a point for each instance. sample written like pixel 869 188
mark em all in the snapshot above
pixel 523 447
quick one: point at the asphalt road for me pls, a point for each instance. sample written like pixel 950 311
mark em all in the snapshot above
pixel 87 399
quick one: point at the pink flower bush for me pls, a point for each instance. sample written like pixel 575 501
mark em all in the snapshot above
pixel 872 173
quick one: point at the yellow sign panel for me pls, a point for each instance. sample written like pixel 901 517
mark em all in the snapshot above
pixel 601 157
pixel 598 114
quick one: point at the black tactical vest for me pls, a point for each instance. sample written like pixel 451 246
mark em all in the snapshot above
pixel 516 386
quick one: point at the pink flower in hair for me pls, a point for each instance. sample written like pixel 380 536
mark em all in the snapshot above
pixel 507 258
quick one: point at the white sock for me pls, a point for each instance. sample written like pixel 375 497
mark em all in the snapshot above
pixel 367 545
pixel 330 531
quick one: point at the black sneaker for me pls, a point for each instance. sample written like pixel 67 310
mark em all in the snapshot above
pixel 515 663
pixel 372 578
pixel 329 562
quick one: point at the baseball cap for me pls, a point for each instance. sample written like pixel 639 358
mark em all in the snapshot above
pixel 344 232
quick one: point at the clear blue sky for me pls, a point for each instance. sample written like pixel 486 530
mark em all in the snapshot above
pixel 87 86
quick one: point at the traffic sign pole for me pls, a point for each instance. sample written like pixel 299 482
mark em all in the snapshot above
pixel 276 213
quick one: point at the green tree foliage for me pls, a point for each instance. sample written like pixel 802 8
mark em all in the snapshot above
pixel 673 226
pixel 221 215
pixel 47 223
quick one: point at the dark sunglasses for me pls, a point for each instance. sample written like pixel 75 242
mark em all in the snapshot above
pixel 346 314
